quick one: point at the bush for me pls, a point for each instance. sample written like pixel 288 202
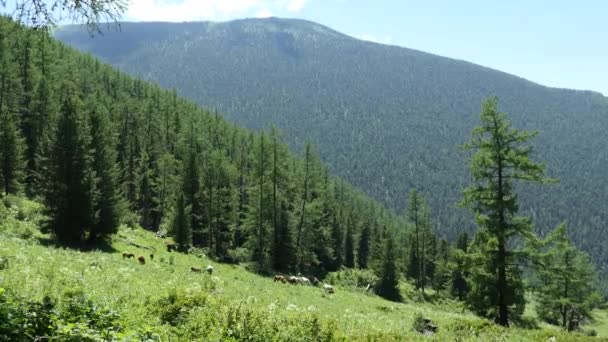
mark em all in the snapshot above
pixel 239 255
pixel 590 332
pixel 175 308
pixel 352 278
pixel 78 319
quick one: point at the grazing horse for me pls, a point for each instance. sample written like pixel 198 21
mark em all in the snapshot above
pixel 151 256
pixel 171 247
pixel 279 278
pixel 126 255
pixel 209 269
pixel 315 281
pixel 304 281
pixel 328 288
pixel 292 280
pixel 195 270
pixel 141 260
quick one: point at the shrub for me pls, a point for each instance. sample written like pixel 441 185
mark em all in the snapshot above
pixel 418 324
pixel 78 319
pixel 175 308
pixel 353 278
pixel 239 255
pixel 590 332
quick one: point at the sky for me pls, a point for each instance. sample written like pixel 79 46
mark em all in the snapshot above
pixel 556 43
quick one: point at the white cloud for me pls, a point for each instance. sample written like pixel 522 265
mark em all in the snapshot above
pixel 295 5
pixel 373 38
pixel 263 13
pixel 190 10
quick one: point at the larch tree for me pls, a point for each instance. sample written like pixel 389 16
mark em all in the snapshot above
pixel 564 281
pixel 501 158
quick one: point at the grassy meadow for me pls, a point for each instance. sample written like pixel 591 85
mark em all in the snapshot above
pixel 164 300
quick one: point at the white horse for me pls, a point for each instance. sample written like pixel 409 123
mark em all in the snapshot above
pixel 304 281
pixel 328 288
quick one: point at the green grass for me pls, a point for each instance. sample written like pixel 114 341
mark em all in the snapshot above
pixel 37 269
pixel 600 323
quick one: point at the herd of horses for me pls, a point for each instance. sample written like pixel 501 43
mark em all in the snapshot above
pixel 294 280
pixel 299 279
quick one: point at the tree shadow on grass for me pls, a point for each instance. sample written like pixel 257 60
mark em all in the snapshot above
pixel 85 246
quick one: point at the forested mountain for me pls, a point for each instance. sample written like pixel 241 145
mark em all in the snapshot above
pixel 100 148
pixel 386 118
pixel 89 156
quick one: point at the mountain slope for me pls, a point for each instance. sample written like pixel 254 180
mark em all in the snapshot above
pixel 163 300
pixel 384 117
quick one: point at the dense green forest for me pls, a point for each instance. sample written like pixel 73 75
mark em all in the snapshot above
pixel 385 118
pixel 100 149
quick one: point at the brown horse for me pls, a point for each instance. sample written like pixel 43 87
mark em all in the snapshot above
pixel 126 255
pixel 195 270
pixel 171 247
pixel 141 260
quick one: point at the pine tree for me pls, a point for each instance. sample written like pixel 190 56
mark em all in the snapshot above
pixel 501 157
pixel 417 214
pixel 283 249
pixel 388 284
pixel 259 217
pixel 11 154
pixel 180 227
pixel 70 182
pixel 349 245
pixel 337 236
pixel 459 267
pixel 363 250
pixel 462 242
pixel 11 143
pixel 107 203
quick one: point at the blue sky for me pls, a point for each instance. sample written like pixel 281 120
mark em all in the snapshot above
pixel 553 42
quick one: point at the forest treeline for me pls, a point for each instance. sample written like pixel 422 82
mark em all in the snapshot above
pixel 101 149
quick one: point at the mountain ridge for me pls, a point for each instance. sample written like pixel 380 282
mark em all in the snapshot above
pixel 286 20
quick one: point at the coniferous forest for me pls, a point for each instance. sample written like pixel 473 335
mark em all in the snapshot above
pixel 102 151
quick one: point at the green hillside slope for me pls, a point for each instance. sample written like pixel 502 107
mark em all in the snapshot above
pixel 385 118
pixel 163 300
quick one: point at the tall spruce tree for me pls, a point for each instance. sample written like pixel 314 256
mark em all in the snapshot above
pixel 417 214
pixel 388 283
pixel 180 226
pixel 70 182
pixel 349 244
pixel 107 201
pixel 502 157
pixel 364 250
pixel 11 154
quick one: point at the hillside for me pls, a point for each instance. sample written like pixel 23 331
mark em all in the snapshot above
pixel 385 118
pixel 163 300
